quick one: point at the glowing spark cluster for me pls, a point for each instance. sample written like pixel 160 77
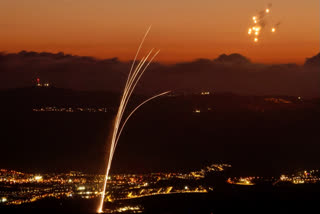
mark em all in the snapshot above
pixel 259 24
pixel 133 78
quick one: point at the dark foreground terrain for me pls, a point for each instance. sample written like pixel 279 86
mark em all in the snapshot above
pixel 257 135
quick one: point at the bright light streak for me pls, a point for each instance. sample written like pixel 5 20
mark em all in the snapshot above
pixel 267 10
pixel 133 78
pixel 273 30
pixel 135 57
pixel 256 40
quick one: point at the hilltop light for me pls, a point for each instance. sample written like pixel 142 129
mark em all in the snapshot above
pixel 205 93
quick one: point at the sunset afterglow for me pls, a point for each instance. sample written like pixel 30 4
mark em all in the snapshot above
pixel 106 29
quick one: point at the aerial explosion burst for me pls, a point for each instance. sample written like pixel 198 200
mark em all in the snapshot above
pixel 132 80
pixel 260 23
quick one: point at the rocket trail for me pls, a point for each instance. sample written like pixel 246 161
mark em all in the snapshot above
pixel 135 57
pixel 133 78
pixel 144 102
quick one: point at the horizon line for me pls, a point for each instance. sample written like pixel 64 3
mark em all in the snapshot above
pixel 165 62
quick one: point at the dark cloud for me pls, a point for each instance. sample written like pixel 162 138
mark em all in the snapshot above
pixel 232 59
pixel 227 73
pixel 313 61
pixel 63 70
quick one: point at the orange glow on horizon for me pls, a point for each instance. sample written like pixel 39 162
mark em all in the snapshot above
pixel 107 29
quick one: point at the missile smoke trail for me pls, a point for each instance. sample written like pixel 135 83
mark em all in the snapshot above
pixel 133 78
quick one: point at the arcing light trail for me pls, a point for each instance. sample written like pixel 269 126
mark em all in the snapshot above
pixel 132 80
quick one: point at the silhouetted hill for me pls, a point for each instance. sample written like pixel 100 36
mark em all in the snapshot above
pixel 234 73
pixel 256 134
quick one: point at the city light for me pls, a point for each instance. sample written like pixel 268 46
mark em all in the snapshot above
pixel 38 178
pixel 81 188
pixel 87 186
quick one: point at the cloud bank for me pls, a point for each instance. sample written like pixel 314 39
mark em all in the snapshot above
pixel 227 73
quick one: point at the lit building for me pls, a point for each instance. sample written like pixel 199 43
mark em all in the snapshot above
pixel 39 84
